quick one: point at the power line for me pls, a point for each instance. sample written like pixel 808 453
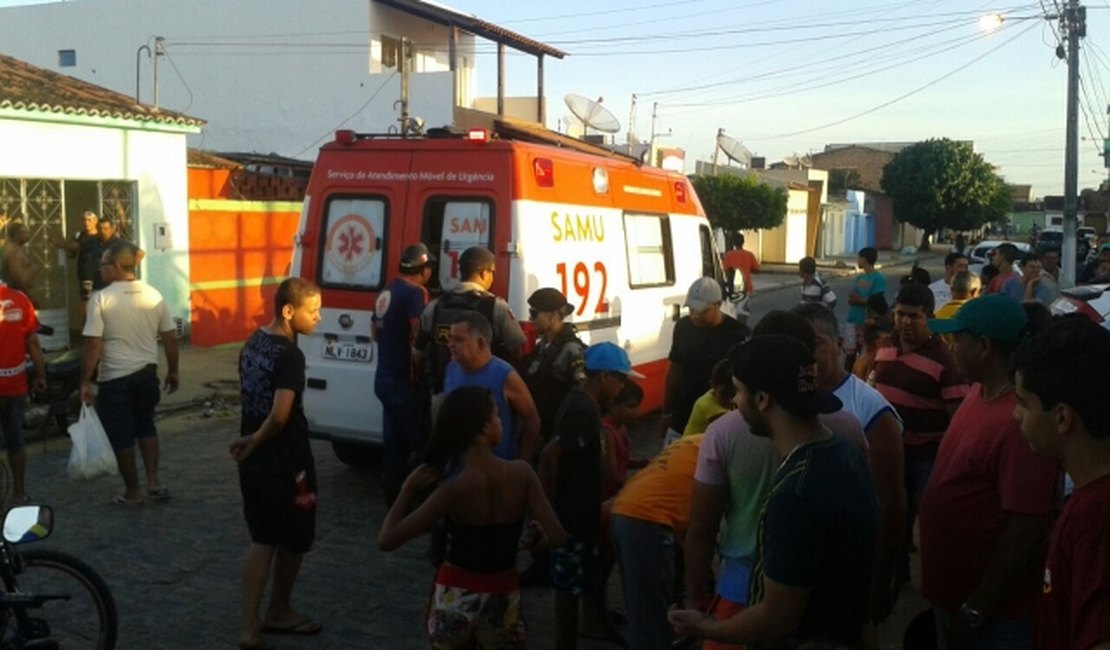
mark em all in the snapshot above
pixel 348 119
pixel 775 93
pixel 907 94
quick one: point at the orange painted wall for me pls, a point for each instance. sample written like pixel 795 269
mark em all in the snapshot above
pixel 235 259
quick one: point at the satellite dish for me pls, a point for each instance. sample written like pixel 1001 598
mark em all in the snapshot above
pixel 592 114
pixel 734 150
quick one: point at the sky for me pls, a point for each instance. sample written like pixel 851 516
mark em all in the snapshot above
pixel 788 77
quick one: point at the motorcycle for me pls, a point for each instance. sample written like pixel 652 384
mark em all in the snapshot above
pixel 60 402
pixel 50 600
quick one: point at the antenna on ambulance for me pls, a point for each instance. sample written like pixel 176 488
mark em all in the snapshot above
pixel 592 114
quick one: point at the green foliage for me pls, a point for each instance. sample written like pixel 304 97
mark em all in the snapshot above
pixel 841 180
pixel 941 183
pixel 735 203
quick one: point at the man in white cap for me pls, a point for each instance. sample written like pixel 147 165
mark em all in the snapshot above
pixel 701 339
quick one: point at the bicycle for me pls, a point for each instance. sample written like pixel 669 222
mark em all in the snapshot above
pixel 50 600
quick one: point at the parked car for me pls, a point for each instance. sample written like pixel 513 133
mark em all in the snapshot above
pixel 979 254
pixel 1090 300
pixel 1052 240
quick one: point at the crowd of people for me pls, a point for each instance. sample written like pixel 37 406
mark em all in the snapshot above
pixel 789 496
pixel 803 461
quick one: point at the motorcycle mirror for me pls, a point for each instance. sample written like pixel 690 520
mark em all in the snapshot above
pixel 28 523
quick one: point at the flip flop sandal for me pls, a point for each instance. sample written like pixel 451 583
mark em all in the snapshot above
pixel 307 627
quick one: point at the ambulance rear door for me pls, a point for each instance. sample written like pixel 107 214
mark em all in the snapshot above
pixel 361 225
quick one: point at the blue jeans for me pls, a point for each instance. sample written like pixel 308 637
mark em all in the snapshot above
pixel 646 554
pixel 403 428
pixel 919 467
pixel 994 635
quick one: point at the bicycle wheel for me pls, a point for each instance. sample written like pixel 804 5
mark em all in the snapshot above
pixel 86 618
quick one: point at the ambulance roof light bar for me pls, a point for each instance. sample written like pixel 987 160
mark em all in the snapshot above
pixel 346 136
pixel 477 135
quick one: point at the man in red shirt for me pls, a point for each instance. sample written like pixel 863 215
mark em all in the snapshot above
pixel 1003 258
pixel 1060 380
pixel 17 338
pixel 986 510
pixel 744 261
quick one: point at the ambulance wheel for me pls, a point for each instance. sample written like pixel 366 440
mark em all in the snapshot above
pixel 357 455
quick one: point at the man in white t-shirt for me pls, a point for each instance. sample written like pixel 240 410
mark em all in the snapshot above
pixel 883 429
pixel 125 320
pixel 942 291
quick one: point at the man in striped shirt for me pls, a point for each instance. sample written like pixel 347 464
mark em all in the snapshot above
pixel 915 372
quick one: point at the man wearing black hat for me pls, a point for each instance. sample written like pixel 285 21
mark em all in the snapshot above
pixel 816 539
pixel 556 365
pixel 396 382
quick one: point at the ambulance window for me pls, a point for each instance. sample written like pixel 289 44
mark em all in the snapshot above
pixel 452 225
pixel 647 240
pixel 352 254
pixel 709 266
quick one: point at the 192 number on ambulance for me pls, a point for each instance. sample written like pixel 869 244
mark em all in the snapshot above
pixel 586 285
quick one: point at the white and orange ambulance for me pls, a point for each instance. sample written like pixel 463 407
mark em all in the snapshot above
pixel 621 240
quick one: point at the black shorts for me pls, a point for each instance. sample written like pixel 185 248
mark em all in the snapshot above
pixel 280 511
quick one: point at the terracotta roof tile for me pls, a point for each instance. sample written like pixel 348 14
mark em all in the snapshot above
pixel 30 88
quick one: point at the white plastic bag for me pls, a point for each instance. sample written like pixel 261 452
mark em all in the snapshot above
pixel 91 455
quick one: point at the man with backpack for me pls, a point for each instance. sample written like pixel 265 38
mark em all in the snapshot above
pixel 476 271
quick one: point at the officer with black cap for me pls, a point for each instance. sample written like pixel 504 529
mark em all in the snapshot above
pixel 397 385
pixel 556 365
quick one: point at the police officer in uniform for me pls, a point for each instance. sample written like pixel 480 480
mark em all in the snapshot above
pixel 397 383
pixel 557 364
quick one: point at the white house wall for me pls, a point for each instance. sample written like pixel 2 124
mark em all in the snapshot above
pixel 269 75
pixel 156 161
pixel 796 219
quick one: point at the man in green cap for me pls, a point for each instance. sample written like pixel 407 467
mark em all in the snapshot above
pixel 986 510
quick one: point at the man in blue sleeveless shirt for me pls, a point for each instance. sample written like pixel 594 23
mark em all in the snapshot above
pixel 473 364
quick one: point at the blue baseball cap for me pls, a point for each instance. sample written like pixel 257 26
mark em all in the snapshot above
pixel 996 316
pixel 609 357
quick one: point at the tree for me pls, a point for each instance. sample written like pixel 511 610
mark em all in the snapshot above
pixel 841 180
pixel 941 183
pixel 735 203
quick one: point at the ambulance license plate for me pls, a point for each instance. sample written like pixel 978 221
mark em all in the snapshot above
pixel 347 351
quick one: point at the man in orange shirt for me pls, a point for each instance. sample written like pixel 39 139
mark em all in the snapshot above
pixel 744 261
pixel 649 520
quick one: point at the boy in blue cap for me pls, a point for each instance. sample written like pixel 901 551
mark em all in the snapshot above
pixel 570 470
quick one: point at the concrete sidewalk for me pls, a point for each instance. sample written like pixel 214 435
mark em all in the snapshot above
pixel 209 380
pixel 780 276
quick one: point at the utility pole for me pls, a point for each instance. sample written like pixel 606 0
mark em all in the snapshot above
pixel 159 52
pixel 632 125
pixel 1075 23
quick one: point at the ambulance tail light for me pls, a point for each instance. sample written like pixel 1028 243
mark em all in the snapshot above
pixel 477 135
pixel 345 136
pixel 529 329
pixel 544 171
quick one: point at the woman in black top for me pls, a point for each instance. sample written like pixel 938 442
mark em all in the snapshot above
pixel 476 600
